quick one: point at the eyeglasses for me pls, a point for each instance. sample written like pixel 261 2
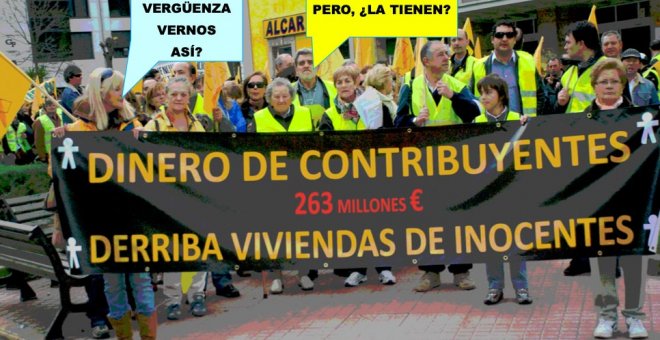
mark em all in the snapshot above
pixel 106 74
pixel 608 82
pixel 500 35
pixel 259 85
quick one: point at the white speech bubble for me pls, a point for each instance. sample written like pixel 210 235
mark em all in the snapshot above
pixel 192 30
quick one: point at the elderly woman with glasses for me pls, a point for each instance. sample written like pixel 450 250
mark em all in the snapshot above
pixel 608 79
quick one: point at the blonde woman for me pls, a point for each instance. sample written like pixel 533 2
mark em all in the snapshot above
pixel 102 108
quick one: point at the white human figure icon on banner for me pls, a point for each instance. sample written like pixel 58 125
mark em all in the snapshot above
pixel 653 227
pixel 73 250
pixel 648 123
pixel 68 149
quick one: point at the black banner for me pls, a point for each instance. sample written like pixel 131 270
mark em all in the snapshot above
pixel 561 186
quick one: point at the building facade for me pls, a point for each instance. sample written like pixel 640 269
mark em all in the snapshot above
pixel 32 32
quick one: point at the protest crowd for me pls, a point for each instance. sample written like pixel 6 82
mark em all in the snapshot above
pixel 595 73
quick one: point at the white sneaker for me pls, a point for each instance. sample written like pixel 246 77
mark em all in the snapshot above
pixel 276 287
pixel 355 279
pixel 636 328
pixel 605 328
pixel 306 283
pixel 386 277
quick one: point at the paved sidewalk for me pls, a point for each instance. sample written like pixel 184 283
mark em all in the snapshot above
pixel 563 309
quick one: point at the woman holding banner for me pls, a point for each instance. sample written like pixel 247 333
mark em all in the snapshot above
pixel 608 79
pixel 372 110
pixel 102 108
pixel 176 117
pixel 344 116
pixel 282 116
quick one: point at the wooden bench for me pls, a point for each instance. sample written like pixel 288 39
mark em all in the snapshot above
pixel 26 248
pixel 26 209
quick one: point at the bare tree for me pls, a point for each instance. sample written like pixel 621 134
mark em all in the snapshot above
pixel 41 24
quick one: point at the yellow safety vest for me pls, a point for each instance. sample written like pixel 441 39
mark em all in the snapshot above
pixel 579 88
pixel 48 126
pixel 526 81
pixel 199 107
pixel 317 110
pixel 482 118
pixel 339 123
pixel 442 113
pixel 301 121
pixel 15 139
pixel 465 75
pixel 11 139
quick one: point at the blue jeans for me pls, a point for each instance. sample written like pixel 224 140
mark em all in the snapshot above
pixel 495 273
pixel 115 292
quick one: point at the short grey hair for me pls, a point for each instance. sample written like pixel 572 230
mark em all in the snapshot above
pixel 615 33
pixel 277 82
pixel 182 80
pixel 279 60
pixel 426 49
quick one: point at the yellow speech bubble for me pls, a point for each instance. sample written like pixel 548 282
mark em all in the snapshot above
pixel 331 22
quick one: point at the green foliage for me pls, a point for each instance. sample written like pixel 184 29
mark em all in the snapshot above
pixel 23 180
pixel 40 71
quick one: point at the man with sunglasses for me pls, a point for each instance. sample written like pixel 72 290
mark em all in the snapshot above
pixel 311 91
pixel 73 79
pixel 518 69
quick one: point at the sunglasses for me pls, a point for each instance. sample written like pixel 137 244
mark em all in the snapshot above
pixel 106 74
pixel 259 85
pixel 500 35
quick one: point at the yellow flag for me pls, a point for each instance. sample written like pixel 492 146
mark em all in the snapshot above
pixel 467 27
pixel 365 51
pixel 328 66
pixel 238 78
pixel 404 59
pixel 537 57
pixel 138 88
pixel 592 17
pixel 12 91
pixel 38 100
pixel 419 68
pixel 477 49
pixel 215 75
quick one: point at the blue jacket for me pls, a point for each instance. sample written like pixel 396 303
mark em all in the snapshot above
pixel 235 115
pixel 643 94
